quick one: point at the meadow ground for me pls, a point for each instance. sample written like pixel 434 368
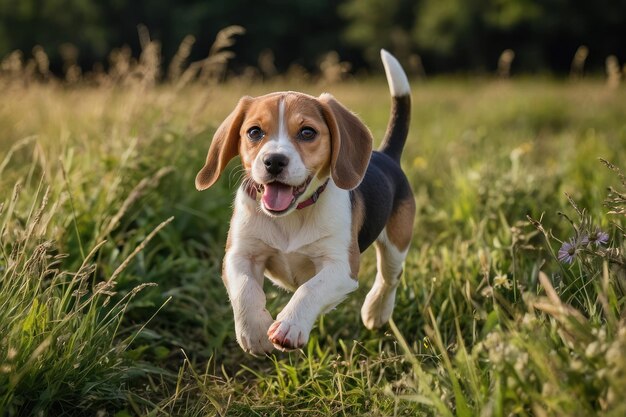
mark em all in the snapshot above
pixel 111 301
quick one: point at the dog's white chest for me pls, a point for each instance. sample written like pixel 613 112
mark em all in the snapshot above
pixel 290 270
pixel 293 237
pixel 318 229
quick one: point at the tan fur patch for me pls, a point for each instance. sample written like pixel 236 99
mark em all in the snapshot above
pixel 302 111
pixel 358 216
pixel 400 224
pixel 263 113
pixel 351 143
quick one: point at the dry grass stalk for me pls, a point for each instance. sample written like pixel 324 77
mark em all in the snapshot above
pixel 175 69
pixel 266 63
pixel 504 63
pixel 34 223
pixel 613 72
pixel 332 68
pixel 144 35
pixel 150 59
pixel 189 74
pixel 150 64
pixel 12 69
pixel 30 71
pixel 578 63
pixel 72 70
pixel 137 192
pixel 121 62
pixel 138 249
pixel 615 169
pixel 12 63
pixel 14 148
pixel 17 189
pixel 298 72
pixel 213 68
pixel 567 316
pixel 42 61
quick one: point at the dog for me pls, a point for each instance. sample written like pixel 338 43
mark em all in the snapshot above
pixel 314 197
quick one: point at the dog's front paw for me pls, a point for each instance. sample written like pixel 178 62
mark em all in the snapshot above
pixel 287 335
pixel 252 334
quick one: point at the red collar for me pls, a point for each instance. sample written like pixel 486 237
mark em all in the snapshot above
pixel 252 191
pixel 311 200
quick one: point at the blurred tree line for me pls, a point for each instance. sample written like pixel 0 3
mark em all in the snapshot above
pixel 448 35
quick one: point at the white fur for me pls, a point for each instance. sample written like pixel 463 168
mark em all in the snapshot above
pixel 396 77
pixel 295 172
pixel 380 300
pixel 321 235
pixel 282 125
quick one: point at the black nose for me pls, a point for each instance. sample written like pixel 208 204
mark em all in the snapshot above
pixel 275 162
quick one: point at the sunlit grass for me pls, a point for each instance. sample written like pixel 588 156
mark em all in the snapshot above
pixel 487 321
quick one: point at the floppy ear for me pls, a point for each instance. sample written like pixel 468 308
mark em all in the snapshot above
pixel 224 147
pixel 350 141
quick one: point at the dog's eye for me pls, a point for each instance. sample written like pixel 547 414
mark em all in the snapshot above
pixel 255 133
pixel 307 133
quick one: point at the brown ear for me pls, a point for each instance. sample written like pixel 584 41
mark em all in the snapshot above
pixel 351 143
pixel 224 147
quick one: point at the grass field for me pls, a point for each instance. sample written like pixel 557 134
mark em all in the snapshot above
pixel 111 300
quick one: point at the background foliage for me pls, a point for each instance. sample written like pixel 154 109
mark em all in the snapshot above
pixel 449 35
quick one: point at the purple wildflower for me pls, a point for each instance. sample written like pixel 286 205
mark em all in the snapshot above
pixel 598 237
pixel 568 251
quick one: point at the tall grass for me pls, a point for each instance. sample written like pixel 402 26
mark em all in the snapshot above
pixel 110 305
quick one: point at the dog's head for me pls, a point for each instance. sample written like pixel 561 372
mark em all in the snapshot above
pixel 289 144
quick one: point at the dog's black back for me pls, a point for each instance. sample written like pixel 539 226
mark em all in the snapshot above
pixel 384 185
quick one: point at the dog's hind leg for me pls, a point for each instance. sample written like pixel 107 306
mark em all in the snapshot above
pixel 391 246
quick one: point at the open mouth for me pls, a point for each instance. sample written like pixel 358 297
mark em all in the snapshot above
pixel 278 197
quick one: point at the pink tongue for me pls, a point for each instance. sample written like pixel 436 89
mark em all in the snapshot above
pixel 277 196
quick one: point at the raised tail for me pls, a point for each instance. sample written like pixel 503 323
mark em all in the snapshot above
pixel 400 118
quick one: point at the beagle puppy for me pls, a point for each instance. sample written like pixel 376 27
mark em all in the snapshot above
pixel 313 199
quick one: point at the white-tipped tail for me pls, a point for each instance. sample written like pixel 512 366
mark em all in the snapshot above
pixel 396 77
